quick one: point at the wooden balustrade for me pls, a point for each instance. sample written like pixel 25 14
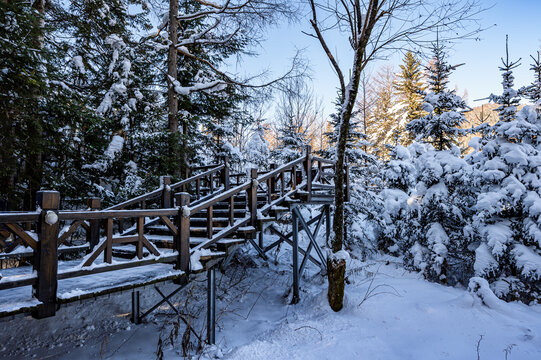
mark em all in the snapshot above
pixel 278 184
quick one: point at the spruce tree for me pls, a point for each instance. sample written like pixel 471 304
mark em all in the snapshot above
pixel 22 82
pixel 410 90
pixel 384 126
pixel 533 91
pixel 445 110
pixel 509 99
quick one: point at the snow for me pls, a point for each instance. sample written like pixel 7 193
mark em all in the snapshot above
pixel 115 146
pixel 78 64
pixel 389 314
pixel 528 261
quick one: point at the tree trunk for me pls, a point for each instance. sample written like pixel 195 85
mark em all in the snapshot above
pixel 337 268
pixel 172 97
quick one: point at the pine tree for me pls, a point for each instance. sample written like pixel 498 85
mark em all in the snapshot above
pixel 257 149
pixel 507 218
pixel 22 82
pixel 410 90
pixel 442 125
pixel 509 99
pixel 384 126
pixel 533 91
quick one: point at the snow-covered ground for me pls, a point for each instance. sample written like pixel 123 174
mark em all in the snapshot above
pixel 402 317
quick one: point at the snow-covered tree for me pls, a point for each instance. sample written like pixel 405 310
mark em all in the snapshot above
pixel 410 87
pixel 533 91
pixel 510 98
pixel 508 207
pixel 257 149
pixel 442 124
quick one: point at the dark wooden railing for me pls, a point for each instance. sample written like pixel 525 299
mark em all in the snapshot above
pixel 280 184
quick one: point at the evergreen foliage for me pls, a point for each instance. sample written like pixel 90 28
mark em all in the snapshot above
pixel 442 124
pixel 509 99
pixel 410 89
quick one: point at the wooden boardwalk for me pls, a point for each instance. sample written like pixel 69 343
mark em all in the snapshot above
pixel 168 234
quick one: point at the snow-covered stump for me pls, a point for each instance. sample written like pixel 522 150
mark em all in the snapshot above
pixel 45 255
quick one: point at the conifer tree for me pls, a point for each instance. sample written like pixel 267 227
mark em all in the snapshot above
pixel 533 91
pixel 442 124
pixel 384 126
pixel 509 99
pixel 21 82
pixel 410 90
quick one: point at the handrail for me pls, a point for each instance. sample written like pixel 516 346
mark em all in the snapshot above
pixel 150 195
pixel 195 177
pixel 108 214
pixel 8 217
pixel 204 167
pixel 156 193
pixel 225 195
pixel 280 169
pixel 323 160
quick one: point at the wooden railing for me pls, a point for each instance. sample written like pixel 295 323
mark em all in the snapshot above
pixel 280 184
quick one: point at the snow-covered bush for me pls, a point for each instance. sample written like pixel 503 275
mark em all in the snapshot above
pixel 426 211
pixel 507 216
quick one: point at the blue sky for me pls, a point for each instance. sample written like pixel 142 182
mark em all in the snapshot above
pixel 479 76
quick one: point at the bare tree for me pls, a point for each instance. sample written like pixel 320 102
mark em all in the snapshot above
pixel 374 28
pixel 298 111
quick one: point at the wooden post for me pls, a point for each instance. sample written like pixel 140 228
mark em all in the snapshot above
pixel 140 231
pixel 93 233
pixel 269 191
pixel 252 196
pixel 308 170
pixel 231 210
pixel 108 253
pixel 182 239
pixel 225 174
pixel 210 210
pixel 166 192
pixel 273 179
pixel 198 188
pixel 46 254
pixel 293 177
pixel 295 298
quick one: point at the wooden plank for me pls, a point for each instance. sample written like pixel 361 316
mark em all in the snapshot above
pixel 116 214
pixel 97 251
pixel 169 224
pixel 222 234
pixel 125 239
pixel 74 226
pixel 149 246
pixel 15 217
pixel 17 230
pixel 76 272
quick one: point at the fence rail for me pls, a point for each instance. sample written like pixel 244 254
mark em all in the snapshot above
pixel 300 177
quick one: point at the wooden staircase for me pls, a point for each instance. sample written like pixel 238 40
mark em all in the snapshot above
pixel 201 220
